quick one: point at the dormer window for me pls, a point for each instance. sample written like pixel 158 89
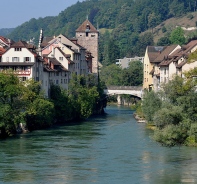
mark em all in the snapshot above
pixel 17 49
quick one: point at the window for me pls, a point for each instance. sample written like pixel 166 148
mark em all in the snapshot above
pixel 61 58
pixel 57 81
pixel 22 78
pixel 92 35
pixel 15 59
pixel 27 59
pixel 17 49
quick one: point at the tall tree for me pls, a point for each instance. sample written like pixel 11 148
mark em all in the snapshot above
pixel 177 36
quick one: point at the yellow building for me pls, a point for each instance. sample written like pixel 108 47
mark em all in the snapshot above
pixel 154 55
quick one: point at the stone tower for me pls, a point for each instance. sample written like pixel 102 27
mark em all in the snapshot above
pixel 87 36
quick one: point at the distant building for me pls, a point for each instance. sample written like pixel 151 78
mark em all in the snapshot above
pixel 124 63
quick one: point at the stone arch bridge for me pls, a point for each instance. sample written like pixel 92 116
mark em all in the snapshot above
pixel 119 90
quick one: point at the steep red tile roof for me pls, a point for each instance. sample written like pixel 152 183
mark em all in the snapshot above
pixel 164 53
pixel 166 62
pixel 83 27
pixel 46 41
pixel 181 64
pixel 6 40
pixel 190 46
pixel 153 52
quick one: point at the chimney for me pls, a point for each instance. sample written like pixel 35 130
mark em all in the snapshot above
pixel 59 38
pixel 53 52
pixel 40 39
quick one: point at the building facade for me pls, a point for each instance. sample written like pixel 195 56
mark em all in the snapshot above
pixel 87 36
pixel 161 64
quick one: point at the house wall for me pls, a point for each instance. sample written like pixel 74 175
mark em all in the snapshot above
pixel 11 53
pixel 189 66
pixel 46 83
pixel 172 70
pixel 148 79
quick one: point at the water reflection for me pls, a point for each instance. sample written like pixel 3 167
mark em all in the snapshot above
pixel 104 149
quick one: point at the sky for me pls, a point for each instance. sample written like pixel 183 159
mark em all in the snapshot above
pixel 15 12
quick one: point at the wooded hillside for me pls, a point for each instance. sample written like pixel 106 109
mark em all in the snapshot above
pixel 120 23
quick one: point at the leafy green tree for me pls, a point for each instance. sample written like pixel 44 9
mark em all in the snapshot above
pixel 150 105
pixel 133 75
pixel 40 114
pixel 11 103
pixel 82 97
pixel 152 20
pixel 111 75
pixel 60 99
pixel 177 36
pixel 176 88
pixel 172 115
pixel 171 135
pixel 163 41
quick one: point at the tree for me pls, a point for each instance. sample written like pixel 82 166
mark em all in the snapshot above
pixel 82 97
pixel 177 36
pixel 62 107
pixel 152 20
pixel 40 114
pixel 133 75
pixel 150 105
pixel 111 75
pixel 163 41
pixel 11 102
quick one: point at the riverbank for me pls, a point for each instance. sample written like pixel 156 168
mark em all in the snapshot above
pixel 138 118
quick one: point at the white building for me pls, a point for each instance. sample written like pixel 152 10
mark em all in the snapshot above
pixel 23 60
pixel 124 63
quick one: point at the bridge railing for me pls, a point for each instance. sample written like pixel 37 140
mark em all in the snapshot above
pixel 124 87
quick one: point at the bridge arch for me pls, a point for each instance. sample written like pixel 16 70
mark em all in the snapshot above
pixel 120 90
pixel 135 91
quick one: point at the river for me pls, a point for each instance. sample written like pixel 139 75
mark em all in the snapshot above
pixel 108 149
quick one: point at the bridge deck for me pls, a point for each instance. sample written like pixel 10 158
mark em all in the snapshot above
pixel 124 87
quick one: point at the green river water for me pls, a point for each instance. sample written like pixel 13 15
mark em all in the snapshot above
pixel 107 149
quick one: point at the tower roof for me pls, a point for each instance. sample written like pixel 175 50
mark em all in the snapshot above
pixel 83 27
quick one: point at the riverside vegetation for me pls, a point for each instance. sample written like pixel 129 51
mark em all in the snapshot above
pixel 173 111
pixel 24 102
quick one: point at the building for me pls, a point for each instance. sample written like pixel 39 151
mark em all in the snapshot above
pixel 161 64
pixel 124 63
pixel 22 59
pixel 53 62
pixel 87 36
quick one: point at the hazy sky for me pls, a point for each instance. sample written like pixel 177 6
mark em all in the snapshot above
pixel 15 12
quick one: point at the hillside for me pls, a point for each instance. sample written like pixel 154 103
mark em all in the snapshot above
pixel 121 23
pixel 188 22
pixel 6 31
